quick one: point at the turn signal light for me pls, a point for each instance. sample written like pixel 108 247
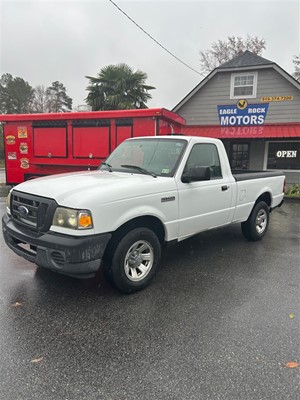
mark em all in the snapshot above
pixel 84 221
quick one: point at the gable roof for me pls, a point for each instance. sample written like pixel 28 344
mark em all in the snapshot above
pixel 245 59
pixel 243 62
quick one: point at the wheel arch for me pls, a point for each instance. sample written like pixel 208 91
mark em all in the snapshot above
pixel 150 222
pixel 266 197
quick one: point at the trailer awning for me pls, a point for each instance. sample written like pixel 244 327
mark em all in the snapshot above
pixel 245 132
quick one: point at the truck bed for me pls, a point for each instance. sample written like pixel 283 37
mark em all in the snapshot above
pixel 248 175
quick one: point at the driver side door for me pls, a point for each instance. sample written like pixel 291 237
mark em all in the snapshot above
pixel 204 204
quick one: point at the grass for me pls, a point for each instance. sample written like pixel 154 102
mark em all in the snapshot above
pixel 293 191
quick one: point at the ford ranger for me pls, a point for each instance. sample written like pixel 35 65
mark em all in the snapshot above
pixel 151 191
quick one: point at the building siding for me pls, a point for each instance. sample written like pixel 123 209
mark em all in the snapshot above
pixel 201 108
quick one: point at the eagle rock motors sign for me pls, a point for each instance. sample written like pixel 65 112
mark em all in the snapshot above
pixel 242 114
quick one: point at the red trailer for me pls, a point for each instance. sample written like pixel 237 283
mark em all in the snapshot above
pixel 43 144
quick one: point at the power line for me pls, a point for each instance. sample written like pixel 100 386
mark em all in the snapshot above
pixel 152 38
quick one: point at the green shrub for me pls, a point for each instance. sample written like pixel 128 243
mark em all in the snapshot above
pixel 293 190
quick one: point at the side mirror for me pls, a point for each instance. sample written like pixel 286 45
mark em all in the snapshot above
pixel 196 174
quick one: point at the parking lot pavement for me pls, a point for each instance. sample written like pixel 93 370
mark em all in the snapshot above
pixel 3 188
pixel 2 175
pixel 220 321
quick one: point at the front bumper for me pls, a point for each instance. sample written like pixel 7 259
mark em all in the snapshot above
pixel 74 256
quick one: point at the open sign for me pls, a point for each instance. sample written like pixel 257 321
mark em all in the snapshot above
pixel 286 154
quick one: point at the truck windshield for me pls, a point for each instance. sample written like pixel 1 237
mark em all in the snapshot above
pixel 156 156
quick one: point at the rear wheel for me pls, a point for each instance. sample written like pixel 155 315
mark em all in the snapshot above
pixel 257 224
pixel 133 262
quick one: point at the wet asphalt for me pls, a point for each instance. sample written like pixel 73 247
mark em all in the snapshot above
pixel 219 321
pixel 2 175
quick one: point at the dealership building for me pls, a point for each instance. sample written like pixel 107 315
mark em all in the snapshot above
pixel 253 106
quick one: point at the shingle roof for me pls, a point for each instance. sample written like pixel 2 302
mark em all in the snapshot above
pixel 246 59
pixel 243 62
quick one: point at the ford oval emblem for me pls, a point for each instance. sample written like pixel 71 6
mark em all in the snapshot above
pixel 23 210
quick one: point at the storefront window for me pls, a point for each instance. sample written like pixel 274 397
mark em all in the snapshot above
pixel 239 156
pixel 284 155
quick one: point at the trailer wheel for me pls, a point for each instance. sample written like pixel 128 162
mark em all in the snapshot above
pixel 257 224
pixel 133 261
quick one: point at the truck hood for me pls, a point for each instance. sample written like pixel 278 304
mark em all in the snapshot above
pixel 83 189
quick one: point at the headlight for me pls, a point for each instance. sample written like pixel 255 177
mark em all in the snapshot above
pixel 8 202
pixel 72 219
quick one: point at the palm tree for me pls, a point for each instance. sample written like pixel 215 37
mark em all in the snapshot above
pixel 118 87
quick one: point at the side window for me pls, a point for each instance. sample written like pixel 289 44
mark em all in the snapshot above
pixel 205 155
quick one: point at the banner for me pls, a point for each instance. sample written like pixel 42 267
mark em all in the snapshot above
pixel 242 114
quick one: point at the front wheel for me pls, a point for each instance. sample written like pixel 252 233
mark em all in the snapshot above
pixel 257 224
pixel 134 261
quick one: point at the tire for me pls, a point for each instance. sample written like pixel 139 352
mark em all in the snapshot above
pixel 257 224
pixel 133 260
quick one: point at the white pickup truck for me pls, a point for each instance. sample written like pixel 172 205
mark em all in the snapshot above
pixel 151 191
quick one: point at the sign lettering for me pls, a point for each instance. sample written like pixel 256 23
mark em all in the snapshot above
pixel 242 114
pixel 240 131
pixel 277 98
pixel 286 154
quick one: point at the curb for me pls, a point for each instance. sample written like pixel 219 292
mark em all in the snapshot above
pixel 292 199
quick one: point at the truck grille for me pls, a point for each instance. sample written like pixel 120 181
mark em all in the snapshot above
pixel 33 212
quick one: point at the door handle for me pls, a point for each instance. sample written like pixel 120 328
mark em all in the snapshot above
pixel 225 187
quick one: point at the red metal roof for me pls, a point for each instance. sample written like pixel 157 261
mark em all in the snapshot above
pixel 241 132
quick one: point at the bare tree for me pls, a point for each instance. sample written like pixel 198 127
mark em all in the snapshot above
pixel 51 99
pixel 40 102
pixel 224 50
pixel 296 73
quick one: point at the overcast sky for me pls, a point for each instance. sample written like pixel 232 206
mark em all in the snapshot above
pixel 44 41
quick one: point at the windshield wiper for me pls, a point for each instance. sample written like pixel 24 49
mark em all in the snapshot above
pixel 108 166
pixel 140 169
